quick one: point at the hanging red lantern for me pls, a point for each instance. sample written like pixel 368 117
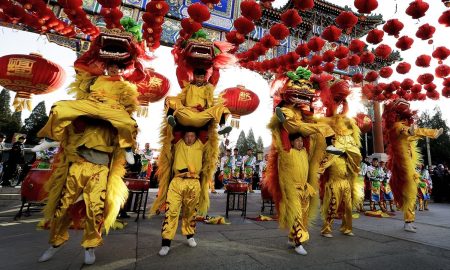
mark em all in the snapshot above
pixel 425 31
pixel 316 44
pixel 342 64
pixel 417 9
pixel 354 60
pixel 328 67
pixel 371 76
pixel 386 72
pixel 383 51
pixel 357 78
pixel 251 10
pixel 268 41
pixel 442 71
pixel 357 46
pixel 279 31
pixel 404 43
pixel 316 60
pixel 243 25
pixel 425 78
pixel 445 18
pixel 407 84
pixel 304 5
pixel 441 53
pixel 198 12
pixel 240 102
pixel 364 122
pixel 328 56
pixel 446 92
pixel 423 61
pixel 367 57
pixel 152 89
pixel 375 36
pixel 366 6
pixel 303 50
pixel 331 33
pixel 341 52
pixel 393 27
pixel 346 20
pixel 27 75
pixel 210 3
pixel 403 68
pixel 290 18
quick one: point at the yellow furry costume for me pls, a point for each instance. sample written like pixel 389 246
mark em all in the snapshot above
pixel 340 181
pixel 195 107
pixel 403 154
pixel 73 175
pixel 292 178
pixel 108 98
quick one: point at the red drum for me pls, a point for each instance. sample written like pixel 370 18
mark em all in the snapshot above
pixel 33 185
pixel 237 187
pixel 137 184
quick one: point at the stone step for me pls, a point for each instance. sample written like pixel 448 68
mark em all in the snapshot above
pixel 10 190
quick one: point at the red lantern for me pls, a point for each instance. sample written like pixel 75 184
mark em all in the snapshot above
pixel 417 9
pixel 364 122
pixel 393 27
pixel 29 74
pixel 357 46
pixel 244 25
pixel 357 78
pixel 442 71
pixel 198 12
pixel 316 44
pixel 304 5
pixel 371 76
pixel 404 43
pixel 290 18
pixel 445 18
pixel 328 56
pixel 251 10
pixel 425 31
pixel 239 101
pixel 331 33
pixel 423 61
pixel 367 57
pixel 403 68
pixel 268 41
pixel 425 78
pixel 346 20
pixel 375 36
pixel 441 53
pixel 366 6
pixel 341 52
pixel 407 84
pixel 279 31
pixel 303 50
pixel 383 51
pixel 386 72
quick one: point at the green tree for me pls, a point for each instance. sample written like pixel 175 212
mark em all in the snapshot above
pixel 259 145
pixel 34 123
pixel 10 123
pixel 440 147
pixel 251 142
pixel 241 144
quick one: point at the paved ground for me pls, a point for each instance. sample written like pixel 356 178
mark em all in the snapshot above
pixel 245 244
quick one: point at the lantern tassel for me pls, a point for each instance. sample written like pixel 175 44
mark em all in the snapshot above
pixel 142 111
pixel 22 104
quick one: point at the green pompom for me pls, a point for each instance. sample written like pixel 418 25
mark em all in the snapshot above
pixel 299 74
pixel 131 26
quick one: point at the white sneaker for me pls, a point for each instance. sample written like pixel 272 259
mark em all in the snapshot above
pixel 89 256
pixel 49 253
pixel 300 250
pixel 333 150
pixel 129 157
pixel 44 145
pixel 164 250
pixel 191 242
pixel 224 130
pixel 349 234
pixel 409 228
pixel 327 235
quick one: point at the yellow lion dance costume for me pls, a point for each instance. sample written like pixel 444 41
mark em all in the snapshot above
pixel 401 137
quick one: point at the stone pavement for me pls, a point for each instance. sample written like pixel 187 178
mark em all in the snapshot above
pixel 245 244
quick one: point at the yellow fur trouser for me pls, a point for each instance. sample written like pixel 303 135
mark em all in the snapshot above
pixel 191 117
pixel 299 231
pixel 337 192
pixel 183 194
pixel 89 181
pixel 64 112
pixel 409 214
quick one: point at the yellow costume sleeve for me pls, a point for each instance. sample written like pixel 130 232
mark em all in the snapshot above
pixel 294 123
pixel 188 157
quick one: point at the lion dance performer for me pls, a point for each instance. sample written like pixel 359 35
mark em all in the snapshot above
pixel 195 105
pixel 86 186
pixel 340 177
pixel 402 136
pixel 298 146
pixel 184 170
